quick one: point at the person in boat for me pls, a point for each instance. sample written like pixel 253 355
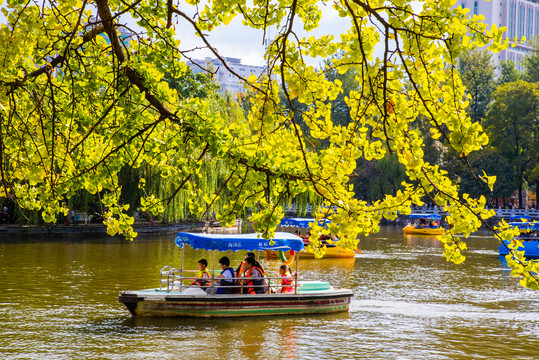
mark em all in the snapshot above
pixel 305 238
pixel 297 233
pixel 255 271
pixel 241 268
pixel 286 279
pixel 324 240
pixel 202 275
pixel 227 277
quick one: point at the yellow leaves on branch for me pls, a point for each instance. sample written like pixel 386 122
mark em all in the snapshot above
pixel 285 146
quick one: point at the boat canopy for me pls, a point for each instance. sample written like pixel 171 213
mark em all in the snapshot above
pixel 519 217
pixel 525 225
pixel 424 216
pixel 223 242
pixel 302 222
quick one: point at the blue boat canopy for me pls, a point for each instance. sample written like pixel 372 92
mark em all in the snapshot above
pixel 525 225
pixel 301 222
pixel 223 242
pixel 519 217
pixel 424 216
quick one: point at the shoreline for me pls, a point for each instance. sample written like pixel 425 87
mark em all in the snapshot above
pixel 14 231
pixel 100 230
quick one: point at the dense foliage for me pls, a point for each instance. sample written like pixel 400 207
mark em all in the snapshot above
pixel 80 105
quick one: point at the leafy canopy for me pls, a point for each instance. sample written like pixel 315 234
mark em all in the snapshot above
pixel 79 103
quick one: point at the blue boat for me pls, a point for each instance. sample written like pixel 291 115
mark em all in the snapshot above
pixel 303 223
pixel 529 237
pixel 519 218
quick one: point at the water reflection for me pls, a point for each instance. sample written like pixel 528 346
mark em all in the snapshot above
pixel 422 241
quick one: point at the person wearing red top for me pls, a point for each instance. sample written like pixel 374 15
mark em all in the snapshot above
pixel 286 279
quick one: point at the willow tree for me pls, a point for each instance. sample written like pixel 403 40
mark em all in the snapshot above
pixel 77 108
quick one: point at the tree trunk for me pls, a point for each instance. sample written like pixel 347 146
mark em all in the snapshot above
pixel 520 194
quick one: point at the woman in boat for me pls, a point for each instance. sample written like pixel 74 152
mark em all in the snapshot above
pixel 202 274
pixel 227 277
pixel 241 268
pixel 254 270
pixel 286 279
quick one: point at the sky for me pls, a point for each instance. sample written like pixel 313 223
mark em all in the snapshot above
pixel 236 40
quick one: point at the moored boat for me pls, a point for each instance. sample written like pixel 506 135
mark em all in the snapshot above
pixel 333 250
pixel 424 224
pixel 529 236
pixel 175 298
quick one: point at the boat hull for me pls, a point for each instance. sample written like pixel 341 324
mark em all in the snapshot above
pixel 531 249
pixel 331 252
pixel 423 231
pixel 162 303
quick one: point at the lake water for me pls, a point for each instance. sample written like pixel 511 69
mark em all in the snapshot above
pixel 59 300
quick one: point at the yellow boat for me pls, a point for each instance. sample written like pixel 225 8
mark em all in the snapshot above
pixel 411 229
pixel 331 252
pixel 426 224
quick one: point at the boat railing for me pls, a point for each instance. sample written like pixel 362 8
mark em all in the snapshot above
pixel 165 271
pixel 170 275
pixel 176 281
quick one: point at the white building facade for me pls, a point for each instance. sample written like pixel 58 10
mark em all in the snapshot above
pixel 520 17
pixel 228 81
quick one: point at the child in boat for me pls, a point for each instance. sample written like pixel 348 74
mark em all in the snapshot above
pixel 286 281
pixel 227 277
pixel 202 273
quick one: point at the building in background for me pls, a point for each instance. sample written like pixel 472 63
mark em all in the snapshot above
pixel 228 81
pixel 520 17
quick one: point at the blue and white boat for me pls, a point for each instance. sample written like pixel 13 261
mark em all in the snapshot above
pixel 176 296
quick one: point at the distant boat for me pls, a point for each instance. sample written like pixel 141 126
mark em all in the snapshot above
pixel 424 224
pixel 333 250
pixel 176 295
pixel 529 235
pixel 519 218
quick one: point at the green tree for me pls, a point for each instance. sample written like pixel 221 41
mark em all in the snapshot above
pixel 191 84
pixel 531 62
pixel 491 163
pixel 513 126
pixel 340 111
pixel 534 179
pixel 76 110
pixel 509 73
pixel 376 178
pixel 477 73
